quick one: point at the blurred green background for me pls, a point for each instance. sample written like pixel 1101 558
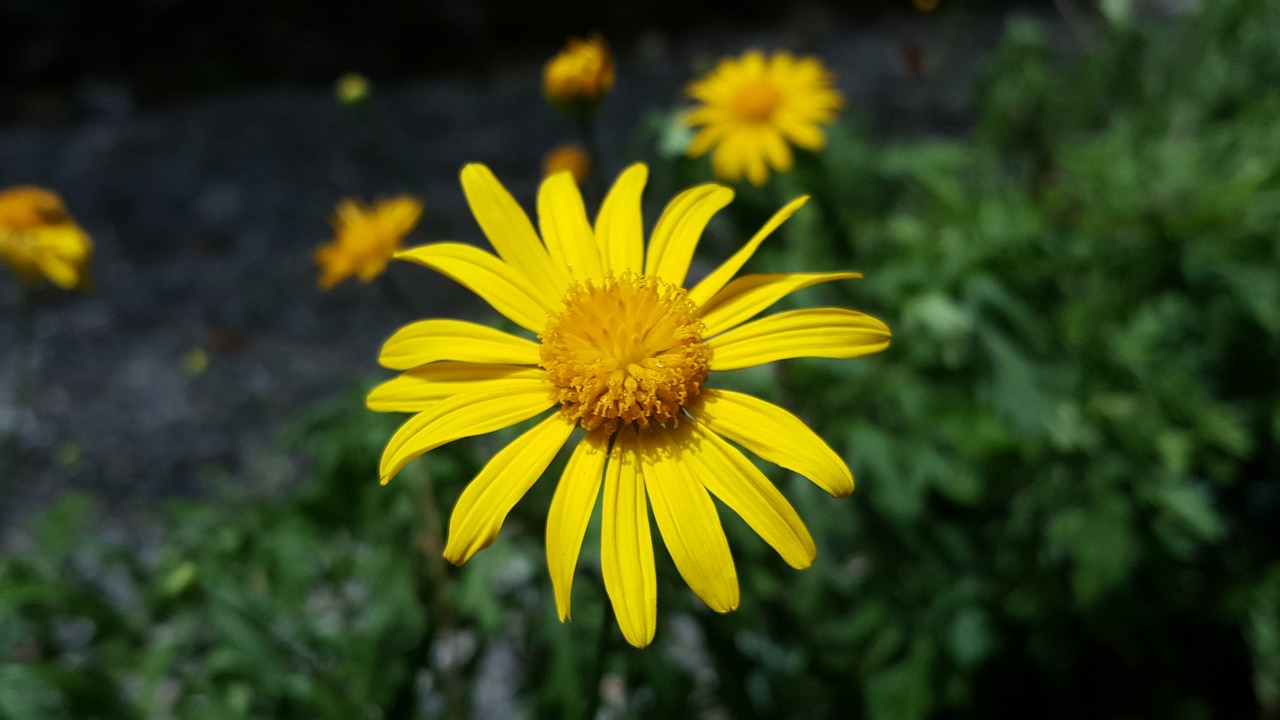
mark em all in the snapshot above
pixel 1068 461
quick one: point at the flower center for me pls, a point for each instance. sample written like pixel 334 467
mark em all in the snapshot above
pixel 756 101
pixel 628 349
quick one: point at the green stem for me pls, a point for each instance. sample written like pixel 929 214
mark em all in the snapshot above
pixel 596 672
pixel 391 290
pixel 23 377
pixel 429 543
pixel 592 184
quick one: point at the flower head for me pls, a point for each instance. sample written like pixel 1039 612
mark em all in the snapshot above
pixel 40 240
pixel 570 158
pixel 624 351
pixel 366 239
pixel 754 108
pixel 577 77
pixel 352 89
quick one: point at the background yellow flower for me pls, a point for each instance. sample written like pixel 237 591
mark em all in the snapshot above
pixel 40 240
pixel 754 108
pixel 571 158
pixel 579 75
pixel 366 238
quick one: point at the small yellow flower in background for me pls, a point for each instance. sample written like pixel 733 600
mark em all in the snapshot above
pixel 622 351
pixel 195 361
pixel 351 89
pixel 925 5
pixel 570 158
pixel 39 239
pixel 754 108
pixel 579 75
pixel 366 239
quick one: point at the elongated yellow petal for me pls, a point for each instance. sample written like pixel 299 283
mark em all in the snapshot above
pixel 626 547
pixel 739 484
pixel 565 228
pixel 522 300
pixel 748 295
pixel 680 227
pixel 421 387
pixel 712 284
pixel 775 435
pixel 61 272
pixel 500 405
pixel 620 226
pixel 816 332
pixel 485 502
pixel 509 230
pixel 688 521
pixel 427 341
pixel 571 513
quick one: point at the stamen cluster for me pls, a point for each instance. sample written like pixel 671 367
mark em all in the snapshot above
pixel 625 349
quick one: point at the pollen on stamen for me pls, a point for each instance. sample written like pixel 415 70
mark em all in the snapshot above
pixel 623 349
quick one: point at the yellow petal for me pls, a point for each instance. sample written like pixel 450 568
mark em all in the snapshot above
pixel 688 521
pixel 776 151
pixel 60 272
pixel 525 302
pixel 487 499
pixel 427 341
pixel 565 227
pixel 748 295
pixel 421 387
pixel 620 226
pixel 680 227
pixel 713 283
pixel 495 407
pixel 509 230
pixel 626 547
pixel 729 157
pixel 571 512
pixel 775 435
pixel 816 332
pixel 739 484
pixel 753 157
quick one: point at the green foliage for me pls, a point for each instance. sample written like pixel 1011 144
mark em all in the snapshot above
pixel 1068 461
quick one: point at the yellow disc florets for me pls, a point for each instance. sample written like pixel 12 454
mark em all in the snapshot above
pixel 627 349
pixel 757 101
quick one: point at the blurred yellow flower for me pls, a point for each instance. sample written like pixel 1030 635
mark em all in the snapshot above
pixel 622 352
pixel 366 238
pixel 38 238
pixel 753 106
pixel 571 158
pixel 579 75
pixel 351 89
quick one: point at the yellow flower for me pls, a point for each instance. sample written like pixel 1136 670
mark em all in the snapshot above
pixel 570 158
pixel 367 237
pixel 39 239
pixel 752 107
pixel 623 351
pixel 351 88
pixel 579 75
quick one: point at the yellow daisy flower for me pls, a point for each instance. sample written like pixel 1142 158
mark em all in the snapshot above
pixel 578 76
pixel 366 239
pixel 352 89
pixel 622 351
pixel 752 107
pixel 567 158
pixel 39 239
